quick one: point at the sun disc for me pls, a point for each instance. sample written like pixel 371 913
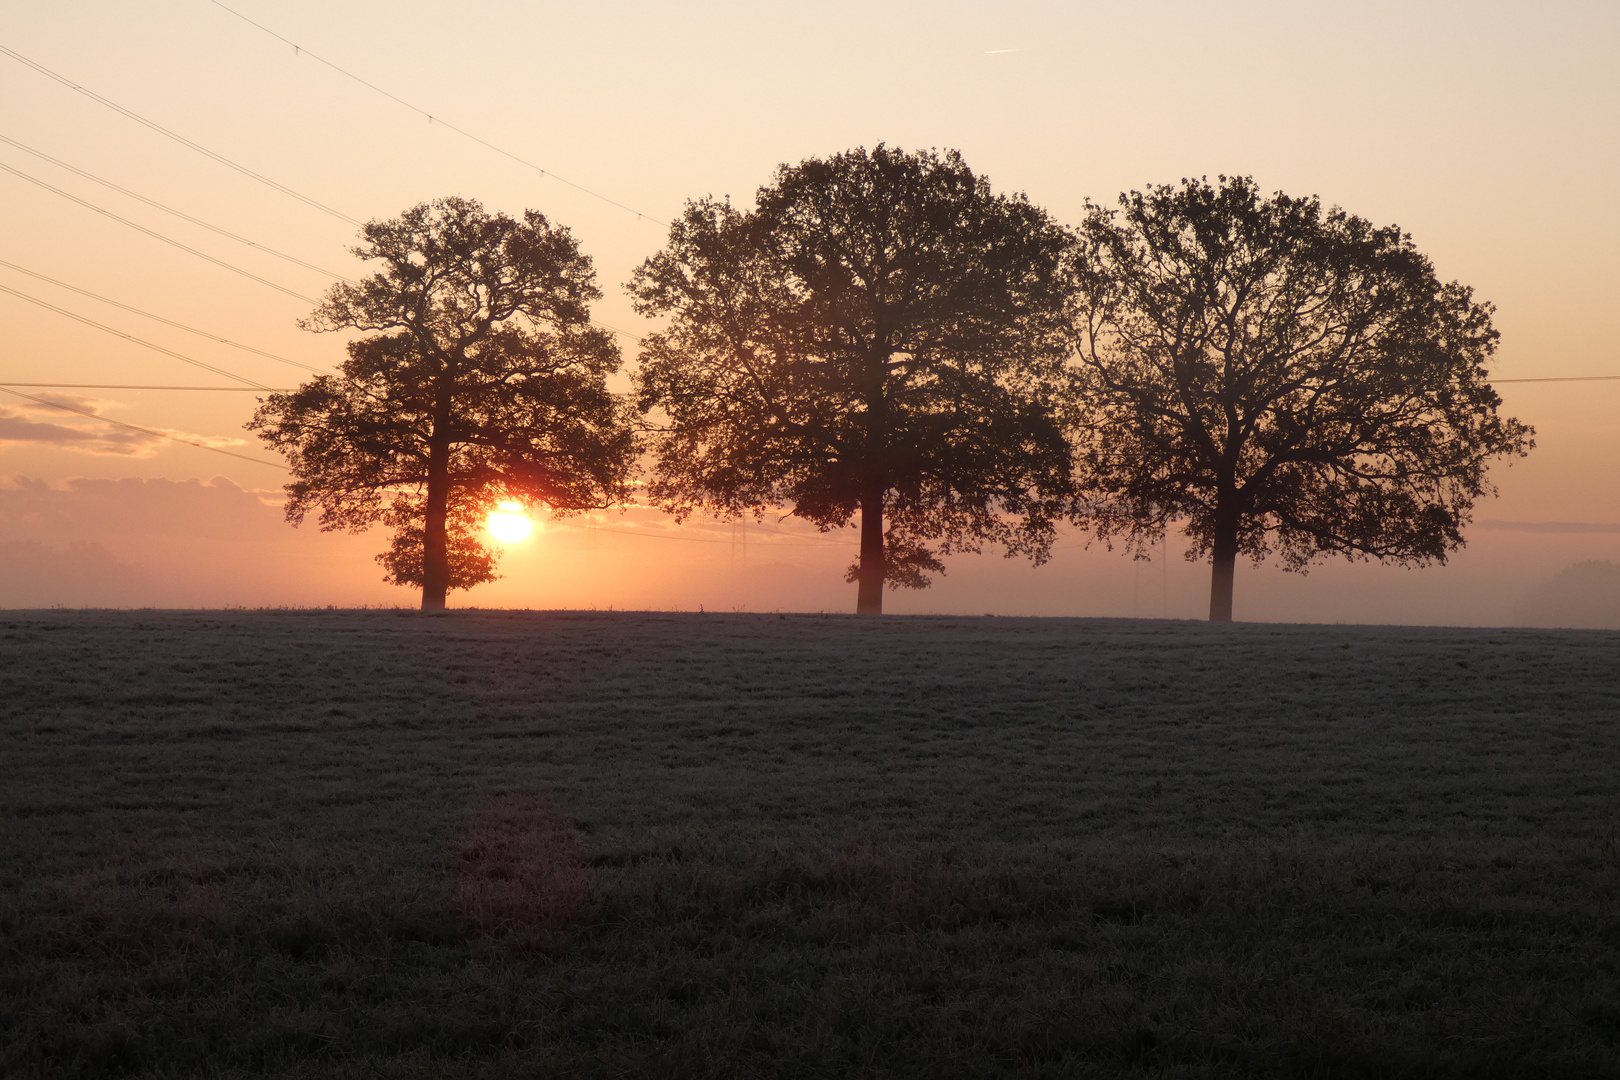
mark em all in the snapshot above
pixel 509 524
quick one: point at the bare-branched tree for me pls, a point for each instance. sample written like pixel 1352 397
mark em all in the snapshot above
pixel 483 381
pixel 1277 378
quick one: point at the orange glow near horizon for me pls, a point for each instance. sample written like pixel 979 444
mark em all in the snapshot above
pixel 1480 130
pixel 509 524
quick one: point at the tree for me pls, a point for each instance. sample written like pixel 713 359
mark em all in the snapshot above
pixel 877 337
pixel 1277 378
pixel 483 381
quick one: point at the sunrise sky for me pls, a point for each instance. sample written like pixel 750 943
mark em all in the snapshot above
pixel 1486 130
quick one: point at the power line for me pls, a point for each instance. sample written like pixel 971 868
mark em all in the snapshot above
pixel 177 137
pixel 181 214
pixel 175 243
pixel 155 234
pixel 160 318
pixel 146 430
pixel 131 337
pixel 299 49
pixel 135 386
pixel 203 333
pixel 243 169
pixel 615 330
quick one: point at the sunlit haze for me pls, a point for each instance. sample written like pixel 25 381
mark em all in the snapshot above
pixel 1485 130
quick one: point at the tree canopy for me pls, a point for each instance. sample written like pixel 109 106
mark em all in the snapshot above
pixel 482 380
pixel 880 336
pixel 1277 378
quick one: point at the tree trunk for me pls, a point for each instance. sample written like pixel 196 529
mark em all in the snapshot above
pixel 435 530
pixel 869 600
pixel 1224 560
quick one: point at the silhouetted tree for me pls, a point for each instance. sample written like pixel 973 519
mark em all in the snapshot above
pixel 484 382
pixel 1278 378
pixel 874 338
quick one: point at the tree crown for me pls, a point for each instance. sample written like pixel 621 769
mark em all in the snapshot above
pixel 481 380
pixel 451 271
pixel 881 320
pixel 1296 369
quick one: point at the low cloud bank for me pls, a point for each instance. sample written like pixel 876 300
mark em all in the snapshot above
pixel 172 543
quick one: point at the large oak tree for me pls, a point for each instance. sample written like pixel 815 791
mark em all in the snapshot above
pixel 1277 378
pixel 876 338
pixel 482 380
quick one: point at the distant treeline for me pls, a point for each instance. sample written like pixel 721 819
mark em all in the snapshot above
pixel 883 338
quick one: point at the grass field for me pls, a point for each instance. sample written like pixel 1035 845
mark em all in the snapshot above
pixel 359 844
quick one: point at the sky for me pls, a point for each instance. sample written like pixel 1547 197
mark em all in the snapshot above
pixel 1486 130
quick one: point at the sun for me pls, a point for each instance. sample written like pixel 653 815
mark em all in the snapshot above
pixel 509 524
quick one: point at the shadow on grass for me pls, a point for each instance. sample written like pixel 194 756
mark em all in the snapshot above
pixel 523 886
pixel 521 951
pixel 112 936
pixel 146 902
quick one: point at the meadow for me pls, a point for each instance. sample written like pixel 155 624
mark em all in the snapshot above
pixel 484 844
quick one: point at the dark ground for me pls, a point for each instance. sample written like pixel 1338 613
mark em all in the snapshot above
pixel 368 844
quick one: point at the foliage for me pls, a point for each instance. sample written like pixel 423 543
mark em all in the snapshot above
pixel 878 338
pixel 483 381
pixel 471 563
pixel 1278 378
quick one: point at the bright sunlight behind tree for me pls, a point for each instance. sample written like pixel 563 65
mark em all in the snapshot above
pixel 483 382
pixel 1277 377
pixel 877 338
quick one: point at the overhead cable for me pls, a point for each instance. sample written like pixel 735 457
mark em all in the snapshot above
pixel 181 214
pixel 146 430
pixel 177 137
pixel 432 118
pixel 243 169
pixel 193 251
pixel 132 338
pixel 157 235
pixel 136 386
pixel 615 330
pixel 160 318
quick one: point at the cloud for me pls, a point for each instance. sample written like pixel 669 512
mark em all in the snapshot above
pixel 194 543
pixel 19 429
pixel 131 509
pixel 72 422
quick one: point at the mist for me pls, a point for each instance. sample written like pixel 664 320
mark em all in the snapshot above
pixel 212 543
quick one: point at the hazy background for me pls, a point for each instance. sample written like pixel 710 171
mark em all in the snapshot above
pixel 1486 130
